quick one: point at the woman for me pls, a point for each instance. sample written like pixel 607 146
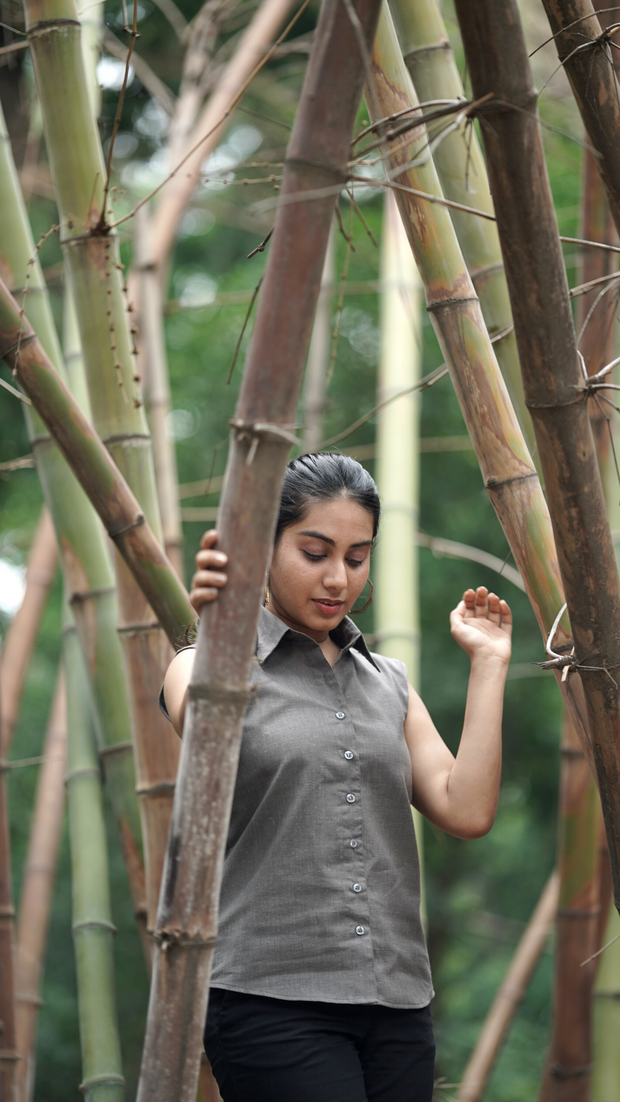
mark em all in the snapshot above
pixel 321 983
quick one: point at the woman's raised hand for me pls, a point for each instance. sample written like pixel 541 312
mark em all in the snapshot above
pixel 482 625
pixel 209 577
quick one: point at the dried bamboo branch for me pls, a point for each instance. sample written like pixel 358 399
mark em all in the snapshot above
pixel 22 631
pixel 553 380
pixel 588 60
pixel 153 84
pixel 262 434
pixel 209 129
pixel 37 887
pixel 506 466
pixel 509 995
pixel 95 470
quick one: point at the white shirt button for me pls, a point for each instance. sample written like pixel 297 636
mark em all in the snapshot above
pixel 360 930
pixel 357 887
pixel 348 754
pixel 353 843
pixel 350 798
pixel 340 715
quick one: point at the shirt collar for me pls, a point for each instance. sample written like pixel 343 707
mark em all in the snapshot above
pixel 271 631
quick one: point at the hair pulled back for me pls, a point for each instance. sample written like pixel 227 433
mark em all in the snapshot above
pixel 324 476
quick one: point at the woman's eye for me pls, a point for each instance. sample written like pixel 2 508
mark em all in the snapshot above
pixel 356 562
pixel 312 557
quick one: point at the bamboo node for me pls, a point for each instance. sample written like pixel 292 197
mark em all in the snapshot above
pixel 254 431
pixel 162 788
pixel 116 748
pixel 90 595
pixel 219 694
pixel 432 47
pixel 167 940
pixel 97 923
pixel 24 338
pixel 560 1071
pixel 115 533
pixel 569 912
pixel 101 1080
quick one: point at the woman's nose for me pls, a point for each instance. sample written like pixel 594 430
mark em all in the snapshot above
pixel 335 576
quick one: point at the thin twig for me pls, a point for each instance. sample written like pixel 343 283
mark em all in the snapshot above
pixel 599 951
pixel 261 248
pixel 119 110
pixel 15 393
pixel 243 328
pixel 428 381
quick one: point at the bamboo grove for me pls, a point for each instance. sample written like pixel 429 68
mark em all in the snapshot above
pixel 261 230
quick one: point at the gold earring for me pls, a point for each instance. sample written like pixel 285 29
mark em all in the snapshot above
pixel 356 611
pixel 266 601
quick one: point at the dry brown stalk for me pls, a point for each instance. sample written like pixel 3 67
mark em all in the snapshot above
pixel 37 887
pixel 509 995
pixel 21 634
pixel 156 389
pixel 208 131
pixel 553 379
pixel 262 435
pixel 588 59
pixel 8 1045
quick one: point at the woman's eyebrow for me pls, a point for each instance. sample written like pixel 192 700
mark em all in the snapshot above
pixel 326 539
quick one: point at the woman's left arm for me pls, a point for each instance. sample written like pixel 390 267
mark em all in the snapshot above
pixel 460 794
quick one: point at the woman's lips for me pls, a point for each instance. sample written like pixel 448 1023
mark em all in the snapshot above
pixel 328 608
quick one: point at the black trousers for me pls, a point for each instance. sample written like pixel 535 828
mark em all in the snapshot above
pixel 273 1050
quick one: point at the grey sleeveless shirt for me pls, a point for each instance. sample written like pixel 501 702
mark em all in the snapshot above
pixel 320 894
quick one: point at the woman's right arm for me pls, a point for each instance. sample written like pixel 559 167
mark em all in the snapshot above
pixel 206 584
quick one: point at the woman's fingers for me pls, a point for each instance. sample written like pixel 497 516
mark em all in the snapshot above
pixel 209 577
pixel 481 604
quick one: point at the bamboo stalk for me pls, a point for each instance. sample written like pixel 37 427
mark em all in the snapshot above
pixel 157 390
pixel 506 466
pixel 552 377
pixel 606 1024
pixel 8 1044
pixel 95 469
pixel 592 77
pixel 218 694
pixel 22 631
pixel 208 131
pixel 463 177
pixel 85 561
pixel 315 378
pixel 93 932
pixel 509 995
pixel 37 886
pixel 569 1064
pixel 94 271
pixel 397 613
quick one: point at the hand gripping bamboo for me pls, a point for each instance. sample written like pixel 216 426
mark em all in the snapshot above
pixel 187 918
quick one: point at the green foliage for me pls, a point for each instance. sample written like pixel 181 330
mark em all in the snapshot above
pixel 480 894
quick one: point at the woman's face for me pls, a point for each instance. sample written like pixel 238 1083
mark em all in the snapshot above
pixel 320 566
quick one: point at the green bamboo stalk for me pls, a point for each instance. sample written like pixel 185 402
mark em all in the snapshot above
pixel 506 466
pixel 315 378
pixel 94 275
pixel 93 932
pixel 396 569
pixel 84 555
pixel 463 177
pixel 606 1024
pixel 95 469
pixel 9 1056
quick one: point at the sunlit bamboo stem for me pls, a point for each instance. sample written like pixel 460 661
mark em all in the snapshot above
pixel 506 466
pixel 262 434
pixel 38 878
pixel 396 569
pixel 9 1056
pixel 315 379
pixel 21 633
pixel 463 177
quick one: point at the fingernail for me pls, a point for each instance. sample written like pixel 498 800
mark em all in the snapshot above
pixel 220 557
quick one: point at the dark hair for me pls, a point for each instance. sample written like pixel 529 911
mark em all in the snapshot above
pixel 324 476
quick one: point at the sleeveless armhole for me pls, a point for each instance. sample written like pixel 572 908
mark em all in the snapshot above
pixel 161 698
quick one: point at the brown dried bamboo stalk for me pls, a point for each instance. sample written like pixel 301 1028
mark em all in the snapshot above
pixel 262 433
pixel 506 466
pixel 553 381
pixel 156 388
pixel 95 469
pixel 590 71
pixel 8 1045
pixel 509 995
pixel 37 886
pixel 208 131
pixel 22 631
